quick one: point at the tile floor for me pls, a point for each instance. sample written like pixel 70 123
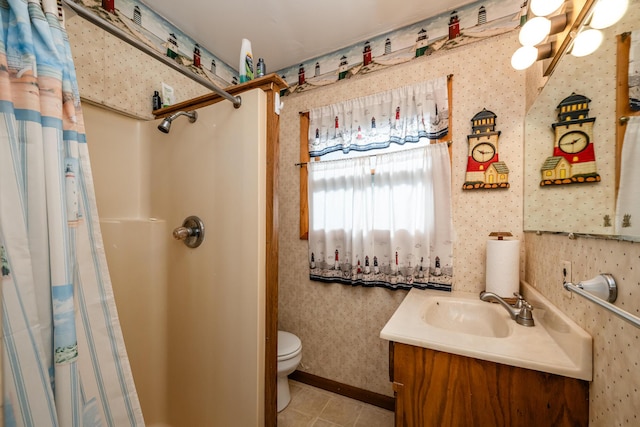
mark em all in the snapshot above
pixel 313 407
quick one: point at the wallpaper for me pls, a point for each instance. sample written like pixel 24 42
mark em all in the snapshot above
pixel 467 24
pixel 450 30
pixel 145 25
pixel 615 388
pixel 340 325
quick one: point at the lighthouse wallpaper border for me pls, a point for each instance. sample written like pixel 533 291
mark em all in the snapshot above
pixel 146 25
pixel 468 24
pixel 465 25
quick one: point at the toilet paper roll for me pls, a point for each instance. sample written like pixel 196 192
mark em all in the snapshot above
pixel 503 267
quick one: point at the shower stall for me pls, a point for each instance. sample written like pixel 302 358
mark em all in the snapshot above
pixel 199 323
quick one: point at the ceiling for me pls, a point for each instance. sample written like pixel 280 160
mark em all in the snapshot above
pixel 287 32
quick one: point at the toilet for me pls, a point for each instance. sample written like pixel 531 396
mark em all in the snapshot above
pixel 289 356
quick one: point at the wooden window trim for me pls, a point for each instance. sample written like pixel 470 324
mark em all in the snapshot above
pixel 304 159
pixel 304 173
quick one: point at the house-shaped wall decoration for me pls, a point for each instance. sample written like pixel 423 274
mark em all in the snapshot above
pixel 484 168
pixel 573 160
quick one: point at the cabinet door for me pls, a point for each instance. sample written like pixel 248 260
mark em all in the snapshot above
pixel 442 389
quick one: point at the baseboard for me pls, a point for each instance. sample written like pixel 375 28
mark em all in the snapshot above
pixel 376 399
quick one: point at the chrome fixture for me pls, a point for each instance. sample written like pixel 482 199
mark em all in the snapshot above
pixel 603 286
pixel 191 232
pixel 602 290
pixel 165 126
pixel 520 311
pixel 125 37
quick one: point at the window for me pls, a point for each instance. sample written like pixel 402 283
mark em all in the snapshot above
pixel 382 220
pixel 386 228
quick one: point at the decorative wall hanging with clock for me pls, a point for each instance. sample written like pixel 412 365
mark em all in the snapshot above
pixel 574 158
pixel 484 168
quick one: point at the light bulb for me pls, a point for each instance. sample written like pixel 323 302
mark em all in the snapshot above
pixel 524 57
pixel 534 31
pixel 586 42
pixel 608 12
pixel 545 7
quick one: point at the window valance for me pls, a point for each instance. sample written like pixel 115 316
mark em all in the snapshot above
pixel 398 116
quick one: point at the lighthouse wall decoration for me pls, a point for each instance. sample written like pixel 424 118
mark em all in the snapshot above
pixel 485 170
pixel 574 159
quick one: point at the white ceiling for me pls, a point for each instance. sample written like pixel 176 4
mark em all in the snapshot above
pixel 288 32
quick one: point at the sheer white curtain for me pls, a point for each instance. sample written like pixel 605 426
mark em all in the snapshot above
pixel 382 220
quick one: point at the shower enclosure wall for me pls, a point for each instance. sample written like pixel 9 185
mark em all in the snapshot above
pixel 193 319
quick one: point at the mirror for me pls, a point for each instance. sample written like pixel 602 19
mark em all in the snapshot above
pixel 579 207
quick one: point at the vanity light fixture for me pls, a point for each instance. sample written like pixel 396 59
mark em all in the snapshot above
pixel 525 56
pixel 608 12
pixel 545 7
pixel 604 14
pixel 536 30
pixel 533 33
pixel 586 42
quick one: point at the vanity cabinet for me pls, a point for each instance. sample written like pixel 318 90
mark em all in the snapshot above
pixel 441 389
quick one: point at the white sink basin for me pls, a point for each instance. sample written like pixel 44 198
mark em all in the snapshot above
pixel 467 317
pixel 460 323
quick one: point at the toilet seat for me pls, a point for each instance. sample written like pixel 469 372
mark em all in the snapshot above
pixel 289 345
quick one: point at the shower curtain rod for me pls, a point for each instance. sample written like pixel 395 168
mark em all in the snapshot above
pixel 112 29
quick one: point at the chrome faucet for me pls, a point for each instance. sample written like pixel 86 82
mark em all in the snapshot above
pixel 520 311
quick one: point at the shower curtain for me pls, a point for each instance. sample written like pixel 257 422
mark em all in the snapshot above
pixel 64 360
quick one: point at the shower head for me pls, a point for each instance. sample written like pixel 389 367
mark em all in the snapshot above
pixel 165 126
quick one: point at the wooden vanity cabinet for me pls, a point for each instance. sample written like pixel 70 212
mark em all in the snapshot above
pixel 440 389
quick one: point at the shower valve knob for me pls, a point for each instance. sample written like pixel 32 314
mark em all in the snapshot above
pixel 191 232
pixel 182 233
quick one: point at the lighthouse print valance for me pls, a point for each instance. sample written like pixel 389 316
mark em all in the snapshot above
pixel 399 116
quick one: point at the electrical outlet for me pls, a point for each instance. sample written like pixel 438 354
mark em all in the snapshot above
pixel 565 267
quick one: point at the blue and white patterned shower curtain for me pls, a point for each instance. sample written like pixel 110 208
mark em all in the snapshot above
pixel 64 360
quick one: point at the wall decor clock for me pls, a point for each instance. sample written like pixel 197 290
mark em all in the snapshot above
pixel 484 168
pixel 573 160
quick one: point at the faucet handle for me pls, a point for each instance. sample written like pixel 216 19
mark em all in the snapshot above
pixel 520 302
pixel 525 317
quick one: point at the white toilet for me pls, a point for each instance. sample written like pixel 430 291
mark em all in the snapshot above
pixel 289 356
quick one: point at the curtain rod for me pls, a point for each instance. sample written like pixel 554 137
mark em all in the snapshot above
pixel 117 32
